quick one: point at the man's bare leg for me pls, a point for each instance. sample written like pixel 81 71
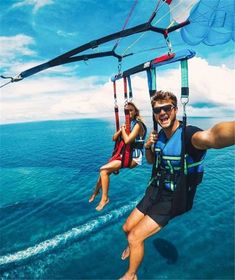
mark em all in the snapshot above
pixel 144 229
pixel 134 218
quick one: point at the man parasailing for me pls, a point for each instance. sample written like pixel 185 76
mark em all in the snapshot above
pixel 171 191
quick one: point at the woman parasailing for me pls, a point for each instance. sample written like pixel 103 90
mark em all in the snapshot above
pixel 134 140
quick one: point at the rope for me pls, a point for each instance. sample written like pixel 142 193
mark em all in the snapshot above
pixel 156 9
pixel 5 84
pixel 153 49
pixel 12 79
pixel 126 22
pixel 157 21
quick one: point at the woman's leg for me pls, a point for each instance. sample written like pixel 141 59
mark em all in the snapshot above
pixel 97 189
pixel 105 172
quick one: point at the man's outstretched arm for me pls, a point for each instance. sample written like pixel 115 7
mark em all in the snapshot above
pixel 219 136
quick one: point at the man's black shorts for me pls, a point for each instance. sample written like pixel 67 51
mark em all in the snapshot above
pixel 159 210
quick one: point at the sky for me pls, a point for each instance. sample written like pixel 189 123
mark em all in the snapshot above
pixel 35 31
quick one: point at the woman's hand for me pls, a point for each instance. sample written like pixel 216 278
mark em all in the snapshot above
pixel 118 133
pixel 123 126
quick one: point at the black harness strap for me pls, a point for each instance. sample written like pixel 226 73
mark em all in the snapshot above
pixel 130 88
pixel 116 110
pixel 152 85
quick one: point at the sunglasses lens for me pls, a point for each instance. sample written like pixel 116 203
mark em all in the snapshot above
pixel 166 108
pixel 156 110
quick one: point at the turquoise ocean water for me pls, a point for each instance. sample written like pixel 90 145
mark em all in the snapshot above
pixel 50 231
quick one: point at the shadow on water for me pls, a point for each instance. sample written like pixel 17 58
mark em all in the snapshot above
pixel 166 249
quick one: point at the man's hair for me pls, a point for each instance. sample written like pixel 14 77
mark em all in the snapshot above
pixel 161 96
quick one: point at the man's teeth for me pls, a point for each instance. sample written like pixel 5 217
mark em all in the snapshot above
pixel 164 119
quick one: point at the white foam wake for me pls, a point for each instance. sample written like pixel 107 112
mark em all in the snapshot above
pixel 61 239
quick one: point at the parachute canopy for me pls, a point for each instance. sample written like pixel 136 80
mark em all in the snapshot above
pixel 212 22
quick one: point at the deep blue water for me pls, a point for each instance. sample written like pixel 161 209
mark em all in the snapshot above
pixel 50 231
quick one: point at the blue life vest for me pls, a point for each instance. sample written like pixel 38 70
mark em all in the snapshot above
pixel 168 161
pixel 138 144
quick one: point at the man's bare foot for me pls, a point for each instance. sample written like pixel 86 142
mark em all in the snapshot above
pixel 102 204
pixel 128 276
pixel 125 253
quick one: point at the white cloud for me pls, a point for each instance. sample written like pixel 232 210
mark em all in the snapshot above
pixel 66 34
pixel 37 4
pixel 13 47
pixel 214 84
pixel 18 44
pixel 54 98
pixel 19 47
pixel 41 98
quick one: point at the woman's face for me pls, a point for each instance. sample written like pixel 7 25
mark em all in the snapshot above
pixel 132 111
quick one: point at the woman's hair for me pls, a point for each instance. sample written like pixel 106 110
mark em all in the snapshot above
pixel 137 111
pixel 161 96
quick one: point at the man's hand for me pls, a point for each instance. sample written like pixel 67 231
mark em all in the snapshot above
pixel 151 140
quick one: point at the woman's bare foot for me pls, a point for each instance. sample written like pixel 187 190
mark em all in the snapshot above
pixel 102 204
pixel 92 198
pixel 125 253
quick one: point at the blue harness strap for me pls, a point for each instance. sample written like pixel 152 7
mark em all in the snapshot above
pixel 152 85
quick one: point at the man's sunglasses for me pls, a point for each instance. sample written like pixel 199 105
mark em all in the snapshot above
pixel 166 109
